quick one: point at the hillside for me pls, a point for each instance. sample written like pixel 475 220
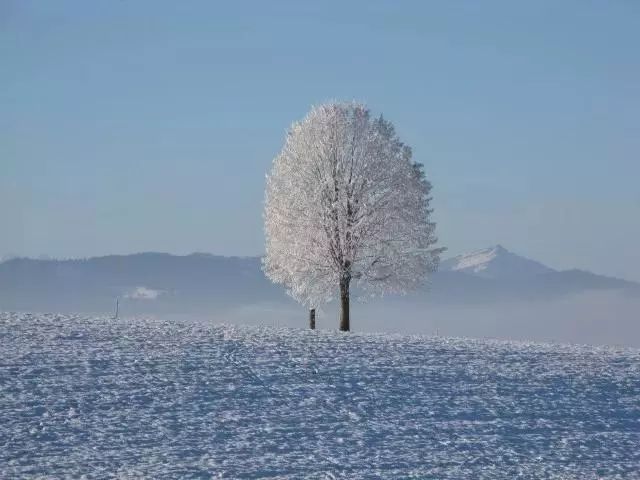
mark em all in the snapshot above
pixel 496 263
pixel 166 399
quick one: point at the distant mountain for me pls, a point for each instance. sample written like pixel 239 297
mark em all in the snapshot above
pixel 496 263
pixel 204 283
pixel 146 282
pixel 496 274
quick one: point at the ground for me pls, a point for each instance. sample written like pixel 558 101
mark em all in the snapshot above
pixel 134 398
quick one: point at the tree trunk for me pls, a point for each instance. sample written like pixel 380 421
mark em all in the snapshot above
pixel 344 305
pixel 312 319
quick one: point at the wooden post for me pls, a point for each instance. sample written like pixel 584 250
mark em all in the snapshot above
pixel 312 319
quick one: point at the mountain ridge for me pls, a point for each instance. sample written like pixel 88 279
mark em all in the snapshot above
pixel 203 282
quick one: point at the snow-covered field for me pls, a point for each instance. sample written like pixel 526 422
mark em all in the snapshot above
pixel 153 399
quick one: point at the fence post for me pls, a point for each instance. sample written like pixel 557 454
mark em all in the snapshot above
pixel 312 319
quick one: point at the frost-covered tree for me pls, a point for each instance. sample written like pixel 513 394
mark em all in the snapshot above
pixel 346 204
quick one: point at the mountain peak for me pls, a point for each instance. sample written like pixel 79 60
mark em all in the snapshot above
pixel 494 262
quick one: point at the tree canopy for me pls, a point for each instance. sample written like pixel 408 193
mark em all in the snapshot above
pixel 346 203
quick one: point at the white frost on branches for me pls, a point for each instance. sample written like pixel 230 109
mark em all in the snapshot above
pixel 345 202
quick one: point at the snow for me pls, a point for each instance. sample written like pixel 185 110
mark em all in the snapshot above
pixel 494 262
pixel 475 261
pixel 148 398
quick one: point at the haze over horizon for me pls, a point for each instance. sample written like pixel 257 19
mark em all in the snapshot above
pixel 131 127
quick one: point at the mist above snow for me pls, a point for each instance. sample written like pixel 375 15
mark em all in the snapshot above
pixel 487 293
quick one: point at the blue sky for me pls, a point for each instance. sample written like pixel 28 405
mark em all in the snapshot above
pixel 134 126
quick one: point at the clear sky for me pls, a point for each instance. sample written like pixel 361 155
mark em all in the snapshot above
pixel 130 126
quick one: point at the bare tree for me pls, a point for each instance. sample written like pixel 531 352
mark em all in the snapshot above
pixel 345 203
